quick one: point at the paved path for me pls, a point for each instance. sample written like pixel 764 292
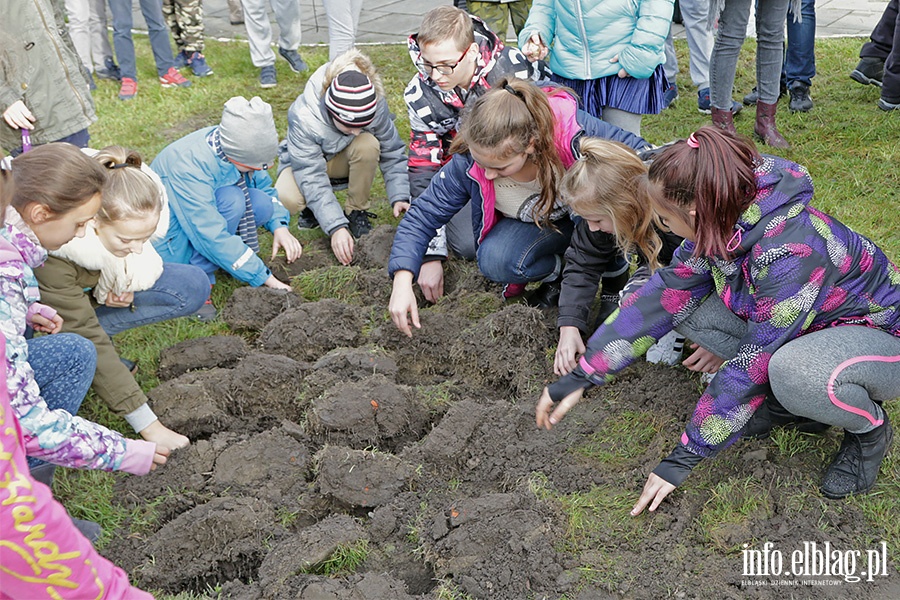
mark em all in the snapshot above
pixel 391 21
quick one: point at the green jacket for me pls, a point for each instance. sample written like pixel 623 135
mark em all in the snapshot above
pixel 63 286
pixel 39 65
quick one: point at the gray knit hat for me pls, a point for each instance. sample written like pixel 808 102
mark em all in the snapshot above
pixel 247 132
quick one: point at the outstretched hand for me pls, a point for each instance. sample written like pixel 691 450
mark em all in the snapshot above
pixel 570 347
pixel 160 457
pixel 342 245
pixel 282 238
pixel 403 303
pixel 400 208
pixel 546 416
pixel 655 490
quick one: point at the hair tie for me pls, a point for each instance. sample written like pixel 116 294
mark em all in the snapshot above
pixel 514 92
pixel 119 165
pixel 735 240
pixel 692 141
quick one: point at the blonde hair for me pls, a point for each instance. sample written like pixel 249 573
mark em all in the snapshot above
pixel 609 180
pixel 446 23
pixel 130 193
pixel 353 60
pixel 509 118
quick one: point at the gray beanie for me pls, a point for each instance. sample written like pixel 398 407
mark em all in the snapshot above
pixel 247 132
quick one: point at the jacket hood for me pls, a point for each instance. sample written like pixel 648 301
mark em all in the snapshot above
pixel 18 242
pixel 489 45
pixel 783 189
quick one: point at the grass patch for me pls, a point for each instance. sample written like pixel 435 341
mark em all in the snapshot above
pixel 621 438
pixel 329 282
pixel 733 503
pixel 600 518
pixel 343 561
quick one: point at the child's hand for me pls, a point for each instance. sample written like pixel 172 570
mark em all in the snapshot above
pixel 18 116
pixel 702 360
pixel 276 284
pixel 41 323
pixel 160 456
pixel 622 72
pixel 431 280
pixel 570 347
pixel 535 49
pixel 123 300
pixel 655 490
pixel 400 208
pixel 403 303
pixel 282 238
pixel 342 245
pixel 547 419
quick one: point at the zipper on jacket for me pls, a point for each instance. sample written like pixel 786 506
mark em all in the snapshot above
pixel 586 51
pixel 61 59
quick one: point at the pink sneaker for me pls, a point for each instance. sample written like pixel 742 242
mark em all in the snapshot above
pixel 513 290
pixel 128 89
pixel 173 78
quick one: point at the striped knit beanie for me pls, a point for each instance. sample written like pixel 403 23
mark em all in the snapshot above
pixel 351 99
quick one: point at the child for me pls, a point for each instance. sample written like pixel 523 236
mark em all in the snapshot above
pixel 879 58
pixel 123 19
pixel 458 59
pixel 512 149
pixel 609 51
pixel 608 189
pixel 219 193
pixel 112 279
pixel 185 19
pixel 57 191
pixel 87 28
pixel 818 303
pixel 43 91
pixel 341 128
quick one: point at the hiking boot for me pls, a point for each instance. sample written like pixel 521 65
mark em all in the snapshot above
pixel 359 222
pixel 670 96
pixel 609 303
pixel 855 466
pixel 298 65
pixel 267 77
pixel 704 104
pixel 753 97
pixel 110 70
pixel 667 351
pixel 800 100
pixel 885 105
pixel 765 128
pixel 772 414
pixel 546 296
pixel 198 65
pixel 181 60
pixel 173 78
pixel 128 89
pixel 307 219
pixel 869 71
pixel 513 290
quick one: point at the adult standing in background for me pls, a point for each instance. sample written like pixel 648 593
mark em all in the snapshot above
pixel 880 58
pixel 259 34
pixel 87 28
pixel 343 22
pixel 497 14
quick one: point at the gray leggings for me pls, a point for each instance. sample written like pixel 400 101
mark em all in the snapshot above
pixel 770 19
pixel 839 376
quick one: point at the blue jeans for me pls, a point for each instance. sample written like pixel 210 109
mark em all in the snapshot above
pixel 800 55
pixel 180 291
pixel 63 366
pixel 517 252
pixel 230 203
pixel 123 20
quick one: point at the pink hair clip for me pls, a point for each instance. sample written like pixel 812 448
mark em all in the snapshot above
pixel 735 240
pixel 692 141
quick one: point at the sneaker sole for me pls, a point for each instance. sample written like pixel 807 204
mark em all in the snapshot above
pixel 860 77
pixel 174 85
pixel 207 74
pixel 267 85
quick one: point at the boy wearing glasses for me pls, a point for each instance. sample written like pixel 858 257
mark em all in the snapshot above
pixel 219 193
pixel 458 59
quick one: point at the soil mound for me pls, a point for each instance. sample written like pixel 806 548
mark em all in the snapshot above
pixel 201 353
pixel 251 308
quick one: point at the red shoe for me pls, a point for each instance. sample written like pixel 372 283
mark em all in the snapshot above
pixel 513 290
pixel 172 79
pixel 128 89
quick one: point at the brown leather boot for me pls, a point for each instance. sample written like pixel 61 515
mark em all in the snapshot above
pixel 765 126
pixel 723 119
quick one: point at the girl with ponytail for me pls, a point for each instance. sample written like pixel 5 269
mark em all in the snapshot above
pixel 811 308
pixel 513 147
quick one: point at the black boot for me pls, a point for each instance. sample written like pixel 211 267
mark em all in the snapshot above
pixel 547 294
pixel 773 414
pixel 855 467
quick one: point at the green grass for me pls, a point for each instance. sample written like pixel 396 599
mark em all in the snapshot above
pixel 343 561
pixel 329 282
pixel 849 146
pixel 621 437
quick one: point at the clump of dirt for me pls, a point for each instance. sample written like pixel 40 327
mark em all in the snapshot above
pixel 193 404
pixel 373 250
pixel 373 412
pixel 316 255
pixel 310 330
pixel 267 388
pixel 201 353
pixel 361 478
pixel 251 308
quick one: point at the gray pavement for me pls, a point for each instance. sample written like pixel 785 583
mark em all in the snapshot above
pixel 391 21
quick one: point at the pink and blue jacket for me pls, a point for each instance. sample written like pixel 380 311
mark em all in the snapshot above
pixel 42 554
pixel 462 180
pixel 796 270
pixel 51 435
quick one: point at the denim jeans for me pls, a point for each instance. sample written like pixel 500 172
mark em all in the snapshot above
pixel 885 44
pixel 517 252
pixel 123 20
pixel 231 204
pixel 180 291
pixel 800 55
pixel 63 365
pixel 770 18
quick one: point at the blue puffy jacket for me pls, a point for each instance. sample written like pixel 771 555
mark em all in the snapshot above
pixel 583 35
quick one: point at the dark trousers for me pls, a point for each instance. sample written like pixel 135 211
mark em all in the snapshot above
pixel 885 45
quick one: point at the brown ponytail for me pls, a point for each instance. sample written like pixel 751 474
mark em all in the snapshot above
pixel 58 176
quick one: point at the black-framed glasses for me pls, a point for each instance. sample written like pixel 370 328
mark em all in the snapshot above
pixel 444 69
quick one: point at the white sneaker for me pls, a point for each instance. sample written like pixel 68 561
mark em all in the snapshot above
pixel 706 378
pixel 667 351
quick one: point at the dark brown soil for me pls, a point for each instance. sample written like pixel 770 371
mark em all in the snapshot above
pixel 334 431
